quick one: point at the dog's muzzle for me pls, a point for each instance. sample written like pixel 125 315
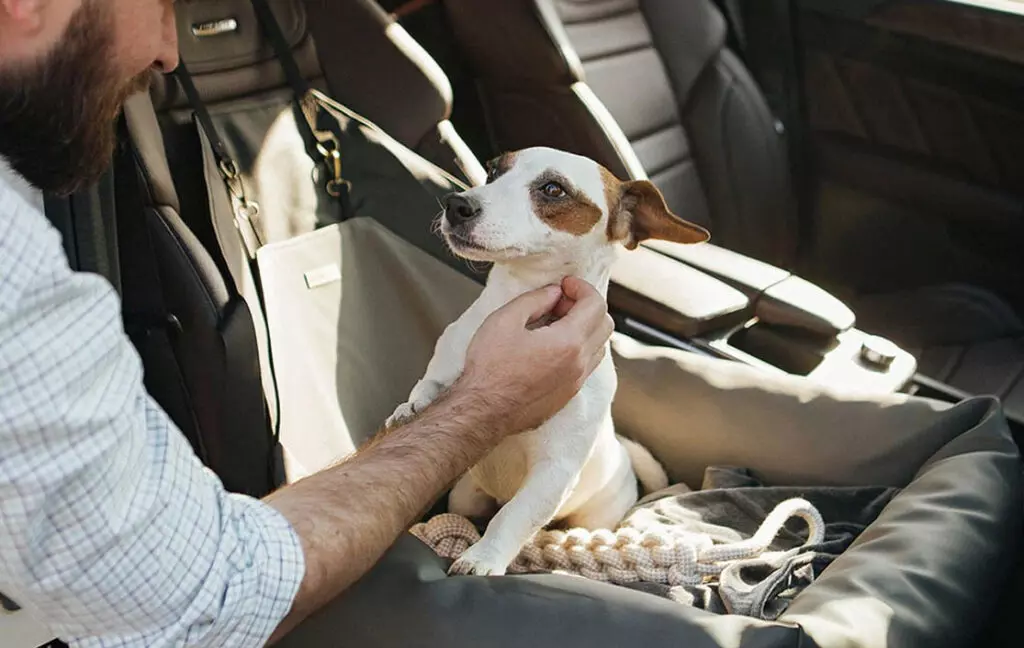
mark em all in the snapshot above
pixel 460 209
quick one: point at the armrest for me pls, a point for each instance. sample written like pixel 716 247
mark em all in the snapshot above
pixel 779 297
pixel 674 296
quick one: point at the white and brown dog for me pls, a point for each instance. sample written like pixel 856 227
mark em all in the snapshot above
pixel 542 215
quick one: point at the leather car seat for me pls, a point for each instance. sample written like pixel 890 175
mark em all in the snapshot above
pixel 649 88
pixel 190 307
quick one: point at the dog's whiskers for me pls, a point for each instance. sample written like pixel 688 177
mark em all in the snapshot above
pixel 436 224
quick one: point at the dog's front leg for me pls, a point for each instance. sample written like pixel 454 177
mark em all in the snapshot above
pixel 546 487
pixel 443 370
pixel 423 393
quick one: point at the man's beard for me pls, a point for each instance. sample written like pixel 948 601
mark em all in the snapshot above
pixel 57 116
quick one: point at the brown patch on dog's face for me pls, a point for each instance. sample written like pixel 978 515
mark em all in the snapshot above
pixel 563 207
pixel 637 212
pixel 499 165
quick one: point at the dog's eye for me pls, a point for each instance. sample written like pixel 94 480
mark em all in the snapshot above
pixel 552 190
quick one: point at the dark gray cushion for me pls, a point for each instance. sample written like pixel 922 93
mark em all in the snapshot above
pixel 923 574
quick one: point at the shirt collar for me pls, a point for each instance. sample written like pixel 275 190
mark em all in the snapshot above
pixel 12 180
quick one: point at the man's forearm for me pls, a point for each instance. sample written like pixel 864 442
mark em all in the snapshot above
pixel 347 516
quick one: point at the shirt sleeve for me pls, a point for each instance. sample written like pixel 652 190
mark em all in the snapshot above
pixel 111 530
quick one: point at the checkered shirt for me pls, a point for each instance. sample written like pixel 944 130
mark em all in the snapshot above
pixel 111 530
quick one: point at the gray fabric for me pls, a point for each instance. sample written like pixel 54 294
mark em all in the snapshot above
pixel 348 336
pixel 762 588
pixel 917 576
pixel 730 506
pixel 348 351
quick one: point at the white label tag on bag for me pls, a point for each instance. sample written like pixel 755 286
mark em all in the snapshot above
pixel 322 276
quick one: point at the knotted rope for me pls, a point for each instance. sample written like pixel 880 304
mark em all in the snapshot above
pixel 660 553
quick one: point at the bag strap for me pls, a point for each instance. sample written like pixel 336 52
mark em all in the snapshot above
pixel 319 129
pixel 243 209
pixel 272 30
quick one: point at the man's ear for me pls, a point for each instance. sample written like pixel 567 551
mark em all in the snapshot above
pixel 644 208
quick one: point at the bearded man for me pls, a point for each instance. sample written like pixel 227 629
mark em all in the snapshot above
pixel 111 531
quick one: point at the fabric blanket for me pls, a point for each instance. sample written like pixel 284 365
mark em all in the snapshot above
pixel 730 506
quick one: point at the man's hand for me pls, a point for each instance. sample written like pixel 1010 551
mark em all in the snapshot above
pixel 530 374
pixel 515 378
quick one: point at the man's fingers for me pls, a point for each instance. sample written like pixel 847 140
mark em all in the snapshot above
pixel 535 304
pixel 576 288
pixel 563 307
pixel 587 310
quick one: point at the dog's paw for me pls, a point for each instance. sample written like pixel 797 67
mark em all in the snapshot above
pixel 478 561
pixel 402 413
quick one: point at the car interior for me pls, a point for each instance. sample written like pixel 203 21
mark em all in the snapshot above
pixel 866 147
pixel 856 317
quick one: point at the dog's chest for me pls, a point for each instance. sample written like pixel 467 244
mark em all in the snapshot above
pixel 569 436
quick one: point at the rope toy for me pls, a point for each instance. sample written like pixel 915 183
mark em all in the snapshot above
pixel 661 553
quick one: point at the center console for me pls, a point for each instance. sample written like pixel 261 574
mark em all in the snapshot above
pixel 708 299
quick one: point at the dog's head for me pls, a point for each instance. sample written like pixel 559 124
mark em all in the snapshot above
pixel 541 201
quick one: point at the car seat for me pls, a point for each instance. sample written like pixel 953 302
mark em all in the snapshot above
pixel 650 89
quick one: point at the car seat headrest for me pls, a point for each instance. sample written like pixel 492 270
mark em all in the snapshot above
pixel 221 35
pixel 350 48
pixel 224 47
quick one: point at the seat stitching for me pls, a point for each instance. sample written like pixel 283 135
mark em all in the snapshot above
pixel 954 364
pixel 686 162
pixel 646 134
pixel 609 16
pixel 1014 380
pixel 625 51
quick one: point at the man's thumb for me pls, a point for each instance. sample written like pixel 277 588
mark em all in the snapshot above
pixel 535 304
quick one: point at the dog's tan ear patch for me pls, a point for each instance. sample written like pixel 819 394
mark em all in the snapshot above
pixel 618 218
pixel 574 213
pixel 641 214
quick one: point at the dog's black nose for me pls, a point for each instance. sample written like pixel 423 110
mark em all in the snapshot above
pixel 459 209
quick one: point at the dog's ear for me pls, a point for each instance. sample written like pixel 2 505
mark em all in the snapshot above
pixel 641 214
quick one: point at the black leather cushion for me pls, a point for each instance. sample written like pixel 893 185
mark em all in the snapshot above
pixel 963 335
